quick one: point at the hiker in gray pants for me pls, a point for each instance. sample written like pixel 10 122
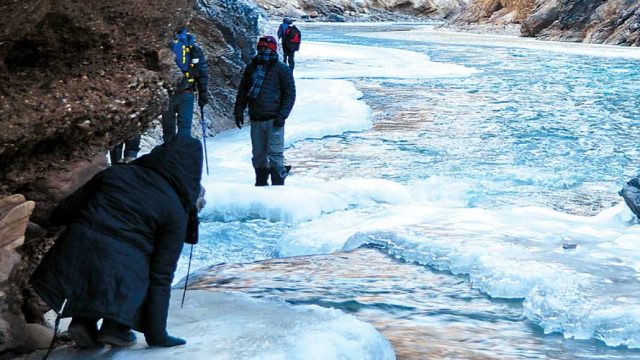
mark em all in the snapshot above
pixel 268 89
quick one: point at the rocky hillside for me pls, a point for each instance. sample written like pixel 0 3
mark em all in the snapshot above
pixel 78 78
pixel 597 21
pixel 363 10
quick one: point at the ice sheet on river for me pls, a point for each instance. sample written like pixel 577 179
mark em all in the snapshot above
pixel 429 34
pixel 231 326
pixel 341 61
pixel 592 291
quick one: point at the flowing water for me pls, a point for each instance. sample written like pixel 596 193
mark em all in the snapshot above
pixel 473 183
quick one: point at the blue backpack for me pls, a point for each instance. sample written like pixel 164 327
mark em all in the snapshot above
pixel 182 47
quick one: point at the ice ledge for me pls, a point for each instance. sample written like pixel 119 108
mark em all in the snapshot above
pixel 234 326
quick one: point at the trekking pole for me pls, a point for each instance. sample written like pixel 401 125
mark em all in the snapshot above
pixel 204 137
pixel 55 330
pixel 186 280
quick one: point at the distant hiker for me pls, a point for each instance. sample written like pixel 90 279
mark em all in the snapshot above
pixel 193 76
pixel 291 38
pixel 116 259
pixel 268 88
pixel 131 148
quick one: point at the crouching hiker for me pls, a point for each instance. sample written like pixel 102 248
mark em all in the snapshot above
pixel 116 258
pixel 268 88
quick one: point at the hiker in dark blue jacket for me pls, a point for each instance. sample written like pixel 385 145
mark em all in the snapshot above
pixel 116 259
pixel 191 76
pixel 268 88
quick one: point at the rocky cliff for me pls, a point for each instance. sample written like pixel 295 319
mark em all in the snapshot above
pixel 363 10
pixel 597 21
pixel 78 78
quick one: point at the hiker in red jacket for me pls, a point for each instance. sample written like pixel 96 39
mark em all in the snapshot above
pixel 290 36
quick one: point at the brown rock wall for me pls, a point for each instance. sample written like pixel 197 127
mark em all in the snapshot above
pixel 485 10
pixel 595 21
pixel 83 76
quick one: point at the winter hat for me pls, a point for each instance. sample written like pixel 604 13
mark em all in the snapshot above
pixel 287 20
pixel 268 42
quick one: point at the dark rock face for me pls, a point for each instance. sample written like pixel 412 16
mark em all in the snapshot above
pixel 614 22
pixel 228 31
pixel 365 10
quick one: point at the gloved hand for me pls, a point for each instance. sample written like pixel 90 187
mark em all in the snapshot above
pixel 239 121
pixel 278 122
pixel 203 99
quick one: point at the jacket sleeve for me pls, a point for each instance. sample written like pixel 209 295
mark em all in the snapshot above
pixel 288 93
pixel 162 267
pixel 280 31
pixel 203 69
pixel 241 97
pixel 70 207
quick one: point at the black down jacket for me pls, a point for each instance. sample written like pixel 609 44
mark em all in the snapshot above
pixel 125 230
pixel 277 94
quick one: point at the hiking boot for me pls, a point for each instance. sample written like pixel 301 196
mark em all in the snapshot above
pixel 277 176
pixel 128 159
pixel 262 176
pixel 164 340
pixel 84 332
pixel 116 334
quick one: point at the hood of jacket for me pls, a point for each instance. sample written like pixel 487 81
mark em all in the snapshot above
pixel 180 162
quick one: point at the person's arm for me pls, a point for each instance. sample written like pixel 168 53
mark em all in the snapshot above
pixel 280 31
pixel 288 86
pixel 202 75
pixel 241 97
pixel 162 267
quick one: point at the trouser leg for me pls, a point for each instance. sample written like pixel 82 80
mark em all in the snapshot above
pixel 115 155
pixel 169 120
pixel 132 147
pixel 290 59
pixel 259 144
pixel 275 150
pixel 259 148
pixel 185 113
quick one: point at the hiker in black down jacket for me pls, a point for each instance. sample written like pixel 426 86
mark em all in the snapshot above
pixel 116 259
pixel 267 86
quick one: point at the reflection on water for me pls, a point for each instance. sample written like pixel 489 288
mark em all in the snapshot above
pixel 424 313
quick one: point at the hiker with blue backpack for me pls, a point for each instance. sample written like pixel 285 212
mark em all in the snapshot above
pixel 267 88
pixel 290 36
pixel 191 78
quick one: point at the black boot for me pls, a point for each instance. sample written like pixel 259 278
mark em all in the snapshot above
pixel 84 332
pixel 277 177
pixel 116 334
pixel 262 175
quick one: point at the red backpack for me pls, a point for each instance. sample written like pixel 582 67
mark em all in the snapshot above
pixel 292 38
